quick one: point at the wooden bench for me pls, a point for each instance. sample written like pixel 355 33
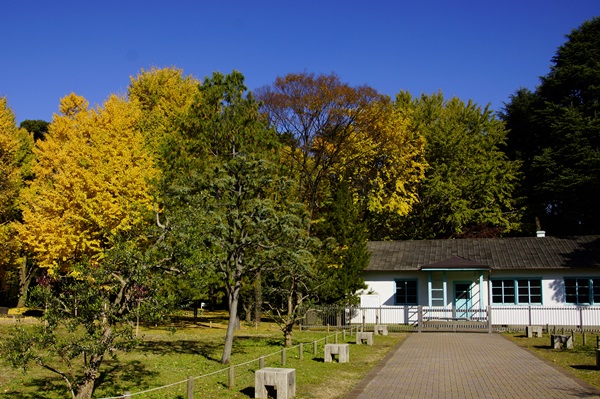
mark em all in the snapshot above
pixel 380 329
pixel 561 341
pixel 283 380
pixel 364 336
pixel 341 350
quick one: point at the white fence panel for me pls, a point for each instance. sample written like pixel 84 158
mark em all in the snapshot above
pixel 575 316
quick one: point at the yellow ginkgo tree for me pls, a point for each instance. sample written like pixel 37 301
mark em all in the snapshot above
pixel 87 218
pixel 92 181
pixel 383 160
pixel 15 156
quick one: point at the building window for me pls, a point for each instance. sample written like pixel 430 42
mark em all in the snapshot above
pixel 503 291
pixel 580 291
pixel 517 291
pixel 406 292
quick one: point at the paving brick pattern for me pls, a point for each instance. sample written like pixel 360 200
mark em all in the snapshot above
pixel 467 365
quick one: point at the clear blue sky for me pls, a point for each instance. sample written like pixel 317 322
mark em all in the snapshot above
pixel 473 49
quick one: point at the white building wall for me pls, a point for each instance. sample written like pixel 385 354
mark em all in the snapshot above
pixel 380 306
pixel 553 295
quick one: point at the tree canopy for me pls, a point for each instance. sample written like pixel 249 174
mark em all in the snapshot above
pixel 92 177
pixel 15 168
pixel 555 130
pixel 469 181
pixel 314 114
pixel 37 127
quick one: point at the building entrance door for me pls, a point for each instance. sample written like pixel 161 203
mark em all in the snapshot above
pixel 462 299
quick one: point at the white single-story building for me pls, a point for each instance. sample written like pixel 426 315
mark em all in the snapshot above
pixel 520 280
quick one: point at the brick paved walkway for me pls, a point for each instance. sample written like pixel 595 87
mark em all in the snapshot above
pixel 468 365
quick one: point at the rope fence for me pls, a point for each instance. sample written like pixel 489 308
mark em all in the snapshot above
pixel 231 368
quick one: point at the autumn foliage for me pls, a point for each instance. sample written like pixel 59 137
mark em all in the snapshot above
pixel 92 180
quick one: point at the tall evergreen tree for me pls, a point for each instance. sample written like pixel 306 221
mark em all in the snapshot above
pixel 345 253
pixel 555 131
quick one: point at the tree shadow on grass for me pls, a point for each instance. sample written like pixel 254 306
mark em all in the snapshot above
pixel 134 372
pixel 584 367
pixel 187 347
pixel 248 391
pixel 210 350
pixel 40 388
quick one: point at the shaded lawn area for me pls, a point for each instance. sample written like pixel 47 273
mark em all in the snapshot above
pixel 165 357
pixel 579 361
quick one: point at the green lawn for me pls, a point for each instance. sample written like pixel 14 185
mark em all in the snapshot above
pixel 579 361
pixel 165 357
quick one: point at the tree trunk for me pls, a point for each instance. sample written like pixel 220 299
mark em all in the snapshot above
pixel 233 319
pixel 248 312
pixel 85 389
pixel 25 276
pixel 257 298
pixel 289 322
pixel 288 333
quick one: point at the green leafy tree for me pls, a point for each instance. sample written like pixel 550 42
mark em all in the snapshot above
pixel 345 253
pixel 89 313
pixel 37 127
pixel 293 280
pixel 554 131
pixel 165 96
pixel 470 183
pixel 245 224
pixel 223 194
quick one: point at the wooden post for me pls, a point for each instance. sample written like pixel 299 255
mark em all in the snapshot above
pixel 190 388
pixel 283 357
pixel 261 362
pixel 301 351
pixel 231 377
pixel 344 335
pixel 583 337
pixel 364 319
pixel 335 341
pixel 420 318
pixel 573 336
pixel 326 339
pixel 315 347
pixel 327 328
